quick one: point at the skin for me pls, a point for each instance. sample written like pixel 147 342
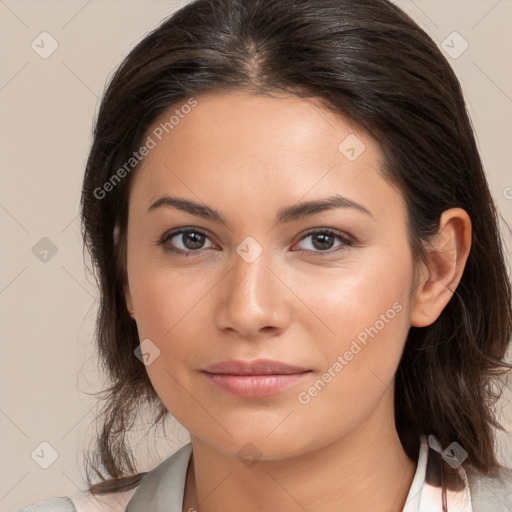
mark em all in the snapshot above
pixel 249 156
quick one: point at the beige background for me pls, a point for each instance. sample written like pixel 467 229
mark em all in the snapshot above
pixel 47 106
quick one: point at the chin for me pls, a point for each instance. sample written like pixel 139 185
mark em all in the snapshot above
pixel 250 445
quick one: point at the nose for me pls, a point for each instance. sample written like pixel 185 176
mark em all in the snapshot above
pixel 253 301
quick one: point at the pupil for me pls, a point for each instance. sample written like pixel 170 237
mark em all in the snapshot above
pixel 322 241
pixel 197 240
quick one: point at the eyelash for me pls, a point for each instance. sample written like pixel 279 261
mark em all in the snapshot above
pixel 345 240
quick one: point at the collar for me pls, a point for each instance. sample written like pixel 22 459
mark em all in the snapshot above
pixel 162 488
pixel 440 483
pixel 436 486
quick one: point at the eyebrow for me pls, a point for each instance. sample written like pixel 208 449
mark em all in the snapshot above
pixel 288 214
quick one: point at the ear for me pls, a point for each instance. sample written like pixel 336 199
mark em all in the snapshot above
pixel 126 286
pixel 440 276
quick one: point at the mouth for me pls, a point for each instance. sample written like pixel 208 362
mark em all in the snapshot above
pixel 254 379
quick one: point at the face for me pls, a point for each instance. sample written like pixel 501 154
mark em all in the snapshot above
pixel 262 229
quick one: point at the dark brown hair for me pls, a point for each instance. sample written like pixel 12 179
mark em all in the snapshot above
pixel 369 62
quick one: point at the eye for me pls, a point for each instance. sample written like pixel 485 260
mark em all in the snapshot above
pixel 185 241
pixel 324 240
pixel 192 240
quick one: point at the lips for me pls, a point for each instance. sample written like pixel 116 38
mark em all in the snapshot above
pixel 256 367
pixel 254 379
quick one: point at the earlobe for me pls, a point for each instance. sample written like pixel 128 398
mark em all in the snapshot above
pixel 439 277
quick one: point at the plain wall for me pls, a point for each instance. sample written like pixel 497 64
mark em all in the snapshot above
pixel 48 364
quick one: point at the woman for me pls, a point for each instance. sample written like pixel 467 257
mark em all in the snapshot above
pixel 299 260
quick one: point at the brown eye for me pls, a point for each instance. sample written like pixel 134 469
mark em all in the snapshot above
pixel 324 241
pixel 192 240
pixel 185 240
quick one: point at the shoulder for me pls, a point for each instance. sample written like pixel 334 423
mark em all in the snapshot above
pixel 63 504
pixel 83 502
pixel 491 492
pixel 154 485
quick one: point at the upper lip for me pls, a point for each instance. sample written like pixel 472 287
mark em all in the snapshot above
pixel 255 367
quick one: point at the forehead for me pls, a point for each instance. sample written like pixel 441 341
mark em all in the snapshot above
pixel 269 126
pixel 259 150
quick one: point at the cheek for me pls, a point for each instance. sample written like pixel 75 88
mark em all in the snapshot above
pixel 371 325
pixel 163 292
pixel 169 304
pixel 372 289
pixel 367 310
pixel 169 315
pixel 173 310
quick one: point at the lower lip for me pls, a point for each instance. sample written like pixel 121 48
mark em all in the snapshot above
pixel 255 386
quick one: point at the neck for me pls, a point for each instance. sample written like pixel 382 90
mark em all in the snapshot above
pixel 352 473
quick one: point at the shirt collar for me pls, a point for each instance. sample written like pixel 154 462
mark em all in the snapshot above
pixel 446 486
pixel 436 486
